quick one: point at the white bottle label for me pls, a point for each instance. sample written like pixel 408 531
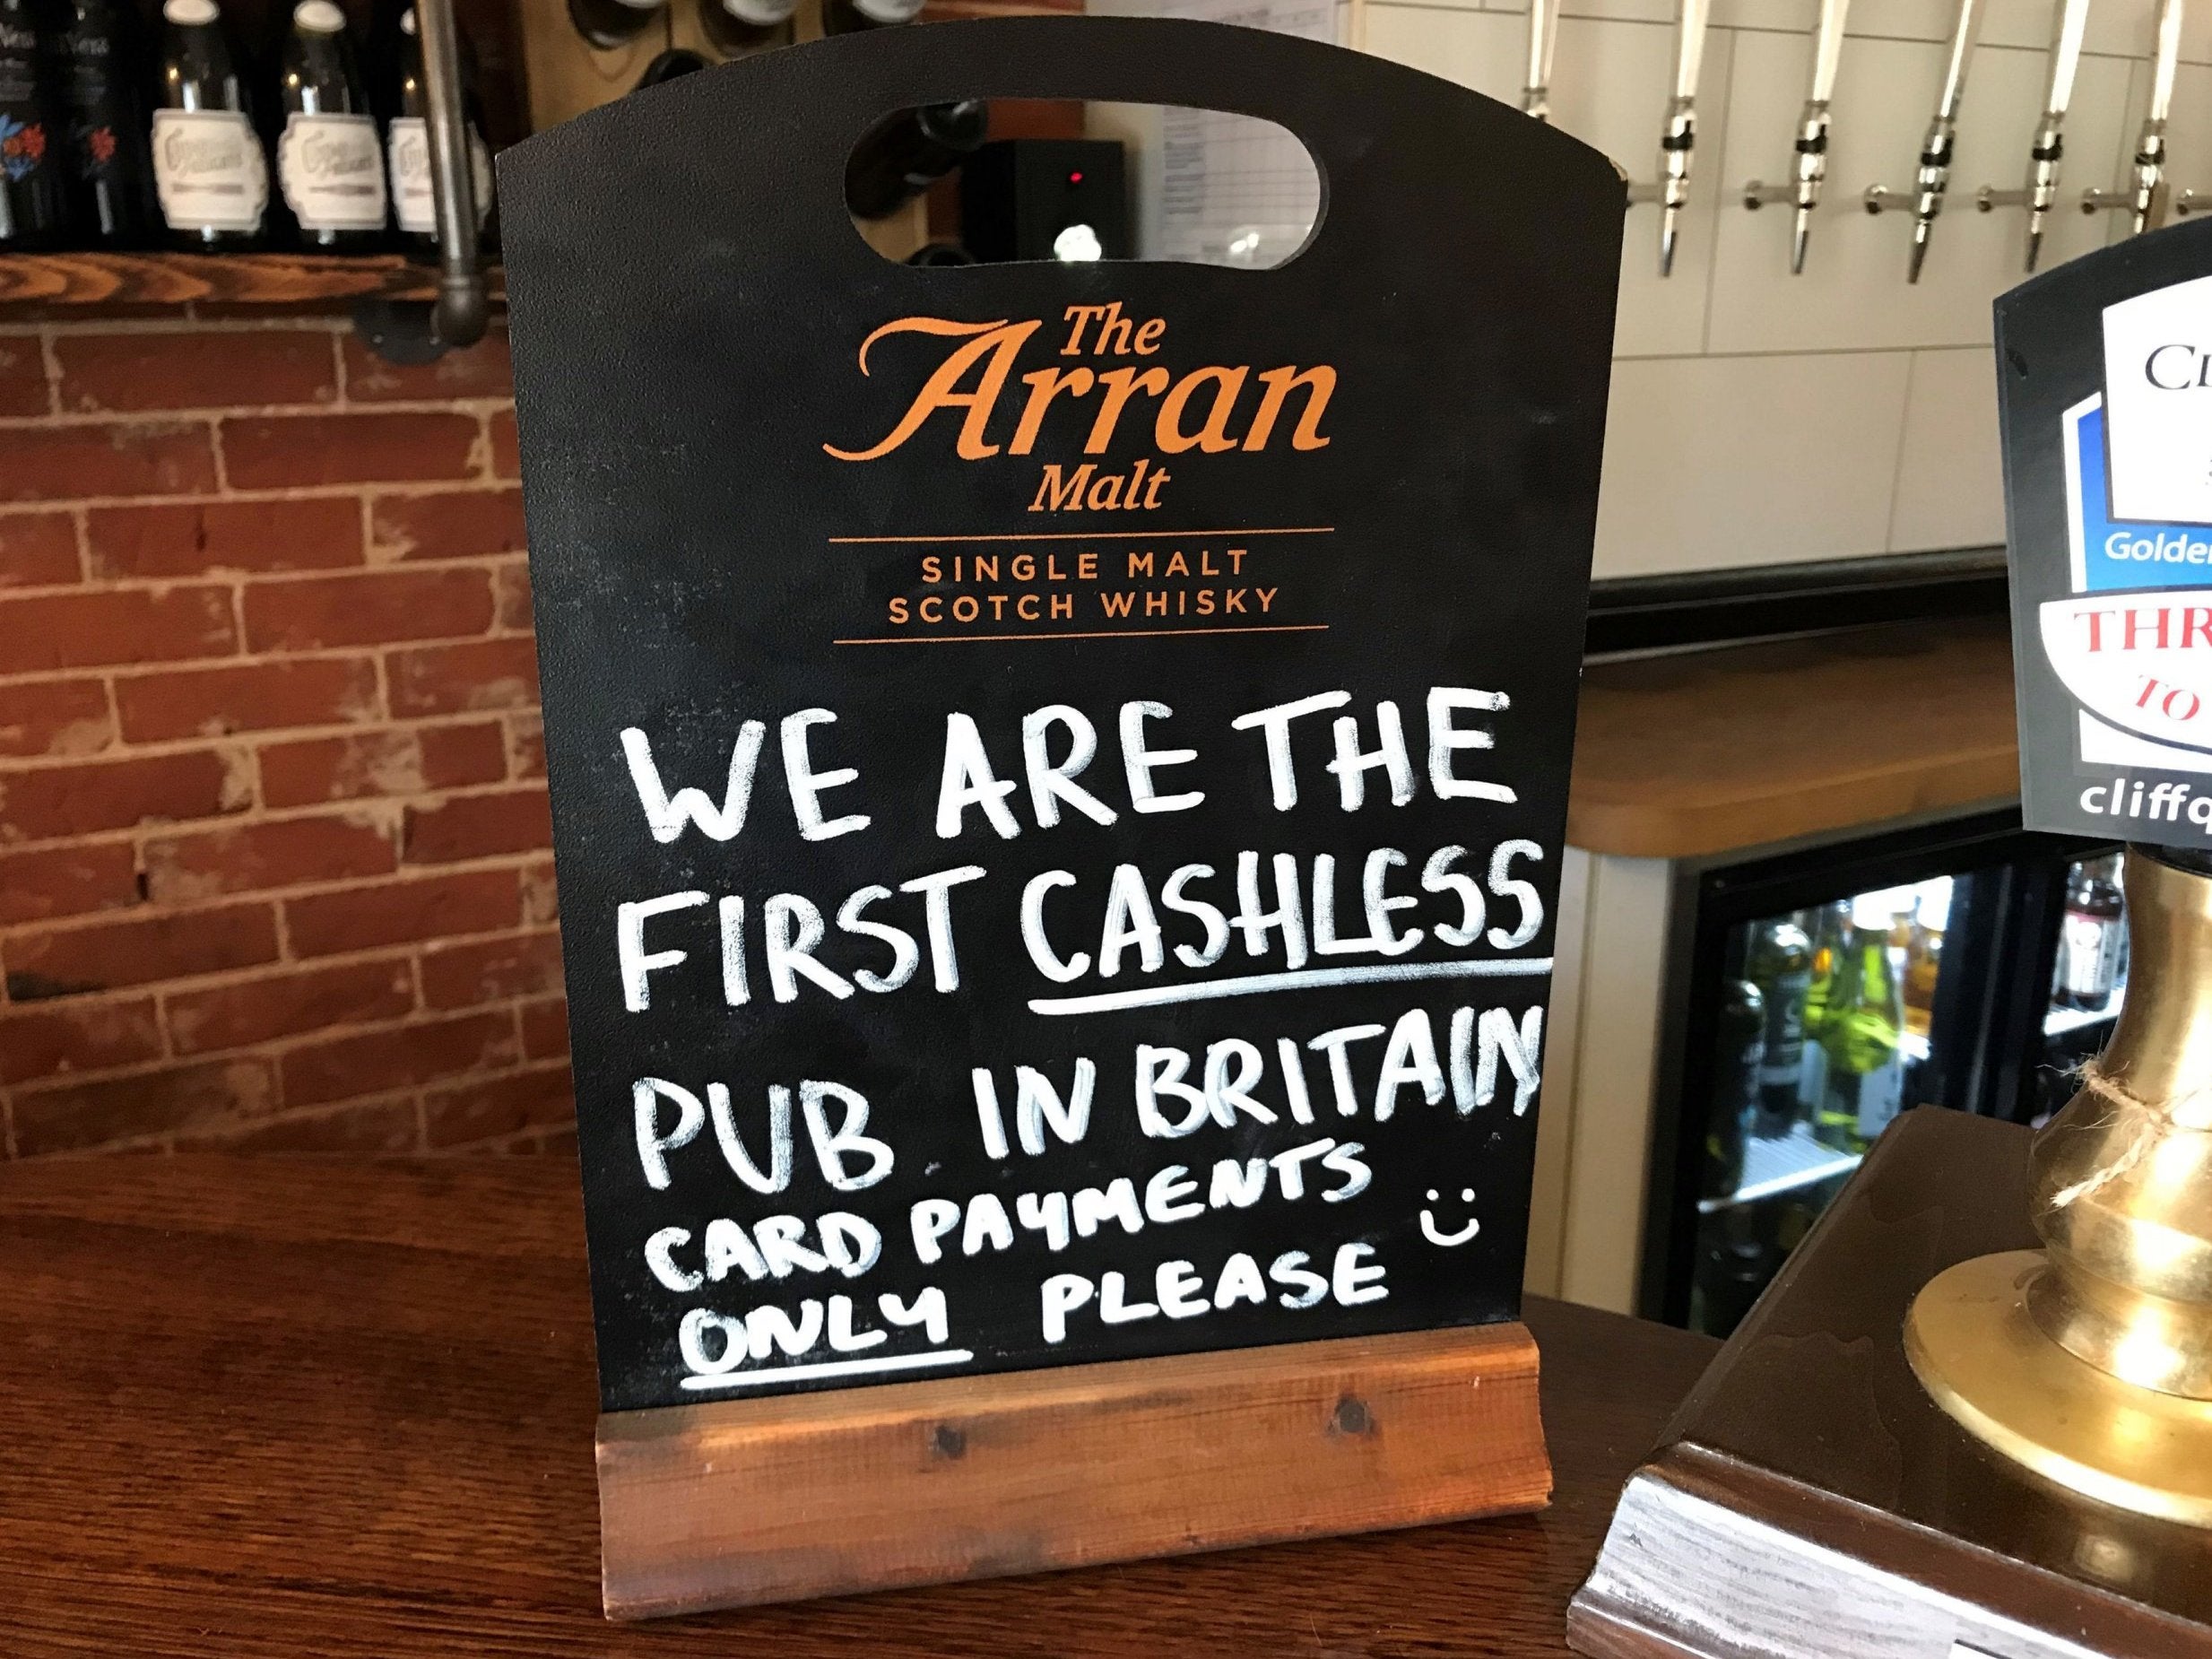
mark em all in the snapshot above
pixel 761 13
pixel 413 200
pixel 333 171
pixel 2158 404
pixel 208 170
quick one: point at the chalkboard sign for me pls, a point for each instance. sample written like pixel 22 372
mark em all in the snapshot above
pixel 1058 769
pixel 2104 378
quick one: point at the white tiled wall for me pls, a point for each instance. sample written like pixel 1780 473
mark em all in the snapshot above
pixel 1757 417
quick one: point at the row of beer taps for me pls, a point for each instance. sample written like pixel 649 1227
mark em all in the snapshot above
pixel 2146 196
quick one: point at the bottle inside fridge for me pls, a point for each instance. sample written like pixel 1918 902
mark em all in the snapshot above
pixel 1812 1058
pixel 2088 979
pixel 1822 990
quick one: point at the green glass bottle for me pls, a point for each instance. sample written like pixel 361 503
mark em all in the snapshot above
pixel 1860 1024
pixel 1830 927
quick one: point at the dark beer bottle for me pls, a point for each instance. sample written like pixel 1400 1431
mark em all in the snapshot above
pixel 897 159
pixel 610 24
pixel 210 175
pixel 844 17
pixel 1739 1046
pixel 1781 960
pixel 329 161
pixel 735 26
pixel 32 199
pixel 99 68
pixel 2095 929
pixel 407 137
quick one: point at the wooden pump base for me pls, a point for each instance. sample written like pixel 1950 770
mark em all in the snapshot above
pixel 744 1502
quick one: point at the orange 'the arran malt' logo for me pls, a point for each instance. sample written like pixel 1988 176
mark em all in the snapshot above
pixel 1206 409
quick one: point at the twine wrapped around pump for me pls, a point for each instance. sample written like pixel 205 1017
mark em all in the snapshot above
pixel 2123 1175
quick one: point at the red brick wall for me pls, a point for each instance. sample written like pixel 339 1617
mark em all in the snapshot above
pixel 274 867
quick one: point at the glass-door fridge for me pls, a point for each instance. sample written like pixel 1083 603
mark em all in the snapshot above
pixel 1967 964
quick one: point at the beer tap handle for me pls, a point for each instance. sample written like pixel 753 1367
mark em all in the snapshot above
pixel 1938 148
pixel 2043 159
pixel 1812 127
pixel 1543 40
pixel 2150 146
pixel 1680 138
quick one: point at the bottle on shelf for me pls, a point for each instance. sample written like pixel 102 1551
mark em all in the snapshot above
pixel 211 173
pixel 1828 927
pixel 844 17
pixel 1923 954
pixel 1860 1031
pixel 735 26
pixel 611 24
pixel 34 201
pixel 898 159
pixel 1778 962
pixel 99 70
pixel 2092 935
pixel 1737 1261
pixel 1740 1045
pixel 329 159
pixel 672 65
pixel 397 51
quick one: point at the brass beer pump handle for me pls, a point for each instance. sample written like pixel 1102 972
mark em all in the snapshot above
pixel 2123 1188
pixel 2091 1363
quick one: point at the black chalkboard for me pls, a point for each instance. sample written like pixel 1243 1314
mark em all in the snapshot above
pixel 799 513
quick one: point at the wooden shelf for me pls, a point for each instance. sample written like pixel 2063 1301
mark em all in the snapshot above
pixel 277 280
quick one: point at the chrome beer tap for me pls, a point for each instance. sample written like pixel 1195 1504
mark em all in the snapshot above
pixel 1543 40
pixel 1936 148
pixel 2042 180
pixel 2150 145
pixel 1812 125
pixel 1680 136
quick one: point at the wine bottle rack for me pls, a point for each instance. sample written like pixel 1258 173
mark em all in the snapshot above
pixel 302 281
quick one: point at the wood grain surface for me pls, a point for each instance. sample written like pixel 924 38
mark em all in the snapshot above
pixel 261 1409
pixel 130 280
pixel 1677 757
pixel 1809 1455
pixel 948 1480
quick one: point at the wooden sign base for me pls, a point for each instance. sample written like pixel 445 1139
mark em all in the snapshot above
pixel 744 1502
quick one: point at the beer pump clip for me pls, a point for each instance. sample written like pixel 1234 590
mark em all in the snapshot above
pixel 1812 135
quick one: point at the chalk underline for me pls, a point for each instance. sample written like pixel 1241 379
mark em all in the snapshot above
pixel 772 1375
pixel 1074 535
pixel 1300 979
pixel 1107 633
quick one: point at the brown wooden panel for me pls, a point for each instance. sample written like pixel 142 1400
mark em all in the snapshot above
pixel 1680 756
pixel 140 280
pixel 291 1406
pixel 743 1501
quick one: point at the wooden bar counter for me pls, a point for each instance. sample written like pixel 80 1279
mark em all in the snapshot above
pixel 263 1408
pixel 1683 756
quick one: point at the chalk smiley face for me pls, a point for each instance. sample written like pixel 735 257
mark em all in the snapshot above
pixel 1435 1236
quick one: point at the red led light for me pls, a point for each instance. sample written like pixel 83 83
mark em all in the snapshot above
pixel 1075 178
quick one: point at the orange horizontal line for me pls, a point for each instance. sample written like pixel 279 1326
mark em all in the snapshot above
pixel 1111 633
pixel 1077 536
